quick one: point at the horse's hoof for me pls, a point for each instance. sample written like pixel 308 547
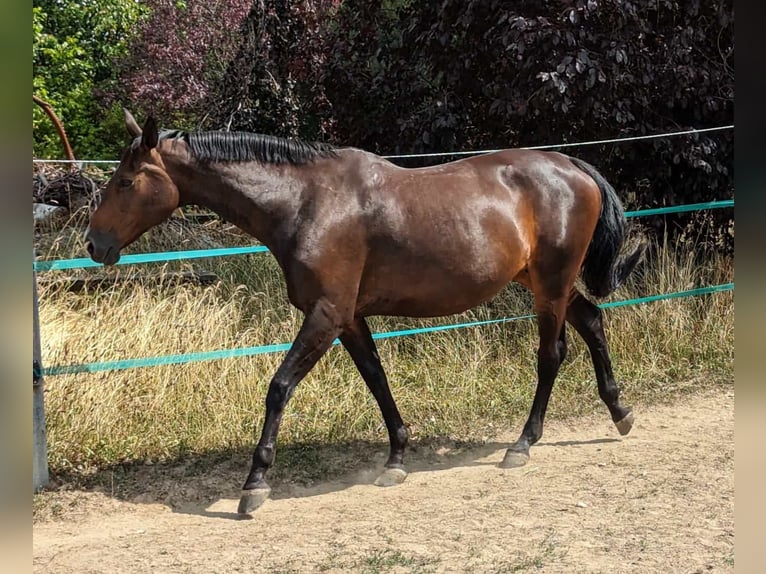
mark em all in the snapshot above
pixel 514 459
pixel 625 424
pixel 252 499
pixel 391 477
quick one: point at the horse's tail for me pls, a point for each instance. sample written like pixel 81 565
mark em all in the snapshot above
pixel 609 260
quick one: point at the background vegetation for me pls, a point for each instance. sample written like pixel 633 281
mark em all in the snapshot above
pixel 75 49
pixel 398 76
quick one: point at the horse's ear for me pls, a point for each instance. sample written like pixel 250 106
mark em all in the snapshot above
pixel 131 124
pixel 149 136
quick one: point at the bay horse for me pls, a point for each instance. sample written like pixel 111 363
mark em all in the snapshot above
pixel 356 235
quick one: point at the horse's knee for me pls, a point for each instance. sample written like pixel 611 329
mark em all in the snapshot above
pixel 279 393
pixel 549 360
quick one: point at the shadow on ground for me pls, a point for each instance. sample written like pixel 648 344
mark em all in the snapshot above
pixel 191 484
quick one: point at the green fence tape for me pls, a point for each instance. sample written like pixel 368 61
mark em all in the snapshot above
pixel 681 208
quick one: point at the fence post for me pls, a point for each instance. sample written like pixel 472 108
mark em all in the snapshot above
pixel 40 445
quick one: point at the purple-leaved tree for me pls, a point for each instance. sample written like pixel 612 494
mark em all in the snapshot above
pixel 182 48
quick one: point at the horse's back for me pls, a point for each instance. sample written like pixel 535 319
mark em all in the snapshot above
pixel 523 195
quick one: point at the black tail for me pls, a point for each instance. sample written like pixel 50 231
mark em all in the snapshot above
pixel 608 262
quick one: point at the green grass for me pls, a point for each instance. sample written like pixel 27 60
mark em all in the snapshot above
pixel 385 560
pixel 376 561
pixel 526 564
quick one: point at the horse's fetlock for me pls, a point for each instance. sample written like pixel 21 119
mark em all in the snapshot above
pixel 610 394
pixel 402 435
pixel 264 454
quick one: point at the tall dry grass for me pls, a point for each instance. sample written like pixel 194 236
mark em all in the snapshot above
pixel 467 383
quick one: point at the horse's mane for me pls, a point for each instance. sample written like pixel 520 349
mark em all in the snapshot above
pixel 246 146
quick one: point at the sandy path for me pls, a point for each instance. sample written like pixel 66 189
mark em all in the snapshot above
pixel 659 500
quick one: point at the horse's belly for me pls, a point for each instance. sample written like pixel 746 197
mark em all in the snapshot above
pixel 428 292
pixel 445 264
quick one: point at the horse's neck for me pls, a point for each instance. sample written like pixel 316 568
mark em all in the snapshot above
pixel 262 200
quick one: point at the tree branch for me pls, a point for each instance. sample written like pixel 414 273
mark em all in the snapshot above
pixel 56 122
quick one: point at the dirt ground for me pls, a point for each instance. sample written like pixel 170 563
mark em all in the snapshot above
pixel 658 500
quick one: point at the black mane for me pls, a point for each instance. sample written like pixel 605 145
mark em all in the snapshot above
pixel 246 146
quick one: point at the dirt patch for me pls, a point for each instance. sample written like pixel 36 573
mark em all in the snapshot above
pixel 659 500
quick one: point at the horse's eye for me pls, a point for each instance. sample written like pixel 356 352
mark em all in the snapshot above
pixel 124 182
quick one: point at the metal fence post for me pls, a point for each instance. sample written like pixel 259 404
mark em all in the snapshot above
pixel 40 445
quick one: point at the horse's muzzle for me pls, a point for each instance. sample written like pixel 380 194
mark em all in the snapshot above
pixel 102 246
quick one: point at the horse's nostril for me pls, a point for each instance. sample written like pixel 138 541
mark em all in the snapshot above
pixel 89 247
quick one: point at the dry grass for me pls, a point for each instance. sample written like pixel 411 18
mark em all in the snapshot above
pixel 464 383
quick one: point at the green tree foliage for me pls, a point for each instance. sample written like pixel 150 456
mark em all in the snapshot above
pixel 458 74
pixel 275 82
pixel 75 45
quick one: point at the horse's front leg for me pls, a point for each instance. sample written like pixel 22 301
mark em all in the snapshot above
pixel 357 340
pixel 319 329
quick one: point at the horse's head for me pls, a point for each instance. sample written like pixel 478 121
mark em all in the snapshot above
pixel 139 195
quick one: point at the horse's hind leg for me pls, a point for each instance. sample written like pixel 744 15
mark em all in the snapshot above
pixel 550 321
pixel 585 317
pixel 316 335
pixel 359 343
